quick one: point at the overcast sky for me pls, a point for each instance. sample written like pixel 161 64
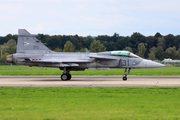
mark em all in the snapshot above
pixel 90 17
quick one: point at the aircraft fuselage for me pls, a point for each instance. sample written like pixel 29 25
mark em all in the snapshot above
pixel 32 52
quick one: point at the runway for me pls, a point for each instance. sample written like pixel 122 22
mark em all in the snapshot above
pixel 89 81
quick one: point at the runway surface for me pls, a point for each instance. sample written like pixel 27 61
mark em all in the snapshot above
pixel 89 81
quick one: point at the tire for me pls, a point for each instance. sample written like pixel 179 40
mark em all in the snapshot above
pixel 64 77
pixel 69 77
pixel 124 78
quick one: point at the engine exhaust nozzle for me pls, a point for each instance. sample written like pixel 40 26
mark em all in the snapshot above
pixel 9 58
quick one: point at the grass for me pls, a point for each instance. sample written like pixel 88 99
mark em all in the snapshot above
pixel 25 70
pixel 79 103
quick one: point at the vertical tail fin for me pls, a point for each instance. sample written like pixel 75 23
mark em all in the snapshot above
pixel 27 43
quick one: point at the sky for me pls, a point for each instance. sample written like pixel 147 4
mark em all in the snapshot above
pixel 90 17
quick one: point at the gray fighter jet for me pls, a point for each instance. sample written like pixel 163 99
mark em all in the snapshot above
pixel 31 52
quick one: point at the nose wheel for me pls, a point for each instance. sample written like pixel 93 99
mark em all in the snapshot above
pixel 126 73
pixel 124 78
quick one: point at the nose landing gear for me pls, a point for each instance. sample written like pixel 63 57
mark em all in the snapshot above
pixel 126 73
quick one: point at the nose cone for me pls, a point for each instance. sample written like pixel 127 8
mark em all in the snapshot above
pixel 152 64
pixel 9 58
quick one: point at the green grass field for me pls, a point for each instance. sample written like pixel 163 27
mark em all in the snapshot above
pixel 82 103
pixel 97 103
pixel 24 70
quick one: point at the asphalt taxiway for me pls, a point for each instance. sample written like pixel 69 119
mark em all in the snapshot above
pixel 89 81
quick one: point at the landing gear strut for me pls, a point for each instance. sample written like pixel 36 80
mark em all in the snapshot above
pixel 126 73
pixel 66 75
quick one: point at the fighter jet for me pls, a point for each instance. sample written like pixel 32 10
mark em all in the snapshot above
pixel 32 52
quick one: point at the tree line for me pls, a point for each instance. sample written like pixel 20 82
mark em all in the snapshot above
pixel 155 47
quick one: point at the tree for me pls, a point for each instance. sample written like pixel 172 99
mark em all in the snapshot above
pixel 11 43
pixel 151 41
pixel 3 57
pixel 141 50
pixel 69 47
pixel 136 38
pixel 77 42
pixel 11 50
pixel 87 41
pixel 96 46
pixel 9 36
pixel 178 53
pixel 102 38
pixel 9 47
pixel 110 46
pixel 177 42
pixel 169 40
pixel 152 55
pixel 122 42
pixel 57 50
pixel 0 50
pixel 81 50
pixel 171 52
pixel 128 49
pixel 161 42
pixel 54 43
pixel 115 37
pixel 157 35
pixel 159 54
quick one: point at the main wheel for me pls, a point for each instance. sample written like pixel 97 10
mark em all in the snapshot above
pixel 64 77
pixel 69 77
pixel 124 78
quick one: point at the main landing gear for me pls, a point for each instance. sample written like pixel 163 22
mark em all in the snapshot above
pixel 66 75
pixel 126 73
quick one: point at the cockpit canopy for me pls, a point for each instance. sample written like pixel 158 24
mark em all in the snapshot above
pixel 123 53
